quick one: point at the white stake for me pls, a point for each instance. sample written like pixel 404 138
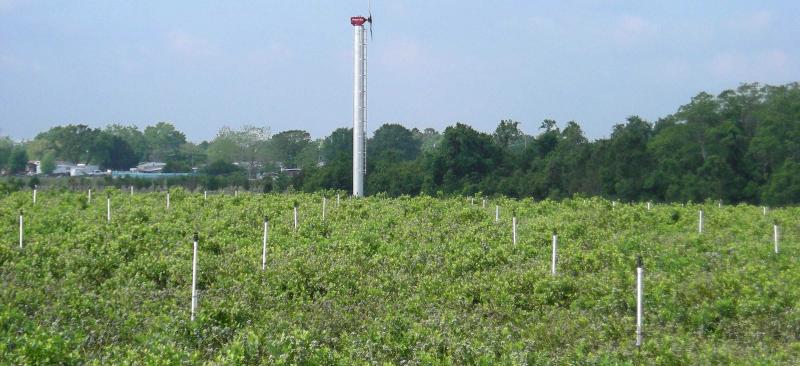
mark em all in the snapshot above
pixel 484 203
pixel 108 209
pixel 765 210
pixel 21 230
pixel 205 195
pixel 472 201
pixel 700 223
pixel 167 199
pixel 639 295
pixel 337 200
pixel 514 229
pixel 496 213
pixel 194 276
pixel 324 201
pixel 719 204
pixel 648 206
pixel 34 194
pixel 555 255
pixel 131 190
pixel 264 244
pixel 295 216
pixel 775 237
pixel 89 200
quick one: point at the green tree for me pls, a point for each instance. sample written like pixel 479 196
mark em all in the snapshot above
pixel 73 143
pixel 287 145
pixel 627 162
pixel 48 163
pixel 132 136
pixel 248 146
pixel 163 141
pixel 393 141
pixel 784 186
pixel 6 147
pixel 338 144
pixel 112 152
pixel 17 160
pixel 464 158
pixel 507 133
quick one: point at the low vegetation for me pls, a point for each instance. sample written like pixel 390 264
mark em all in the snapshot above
pixel 392 280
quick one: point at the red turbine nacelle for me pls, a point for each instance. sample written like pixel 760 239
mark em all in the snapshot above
pixel 356 21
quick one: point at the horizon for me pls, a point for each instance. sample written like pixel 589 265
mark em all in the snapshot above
pixel 205 66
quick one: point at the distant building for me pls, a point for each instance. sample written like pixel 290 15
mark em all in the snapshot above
pixel 292 172
pixel 149 167
pixel 63 168
pixel 33 167
pixel 85 169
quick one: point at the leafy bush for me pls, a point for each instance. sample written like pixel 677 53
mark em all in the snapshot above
pixel 391 280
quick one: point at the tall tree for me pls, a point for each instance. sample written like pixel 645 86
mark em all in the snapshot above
pixel 464 158
pixel 507 133
pixel 627 162
pixel 163 141
pixel 132 136
pixel 395 141
pixel 287 145
pixel 17 160
pixel 247 146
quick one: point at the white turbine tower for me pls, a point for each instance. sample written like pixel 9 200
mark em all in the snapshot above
pixel 359 101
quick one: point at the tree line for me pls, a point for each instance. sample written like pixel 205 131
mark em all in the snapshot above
pixel 742 145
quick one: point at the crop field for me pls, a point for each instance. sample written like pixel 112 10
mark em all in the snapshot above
pixel 398 281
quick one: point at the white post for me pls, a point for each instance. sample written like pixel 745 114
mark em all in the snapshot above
pixel 131 190
pixel 514 229
pixel 775 237
pixel 20 229
pixel 295 216
pixel 89 200
pixel 264 244
pixel 765 210
pixel 472 201
pixel 639 295
pixel 648 206
pixel 194 276
pixel 700 223
pixel 34 194
pixel 205 195
pixel 555 255
pixel 719 204
pixel 324 201
pixel 484 203
pixel 496 213
pixel 167 199
pixel 236 193
pixel 337 200
pixel 108 209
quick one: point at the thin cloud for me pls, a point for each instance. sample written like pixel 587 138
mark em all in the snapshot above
pixel 774 64
pixel 630 29
pixel 9 5
pixel 273 54
pixel 406 55
pixel 753 23
pixel 190 45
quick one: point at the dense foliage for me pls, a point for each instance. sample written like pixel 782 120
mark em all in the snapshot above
pixel 739 146
pixel 400 280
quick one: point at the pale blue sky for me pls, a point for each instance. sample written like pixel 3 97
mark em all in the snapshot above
pixel 287 64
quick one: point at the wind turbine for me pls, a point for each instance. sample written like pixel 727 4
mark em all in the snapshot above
pixel 360 100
